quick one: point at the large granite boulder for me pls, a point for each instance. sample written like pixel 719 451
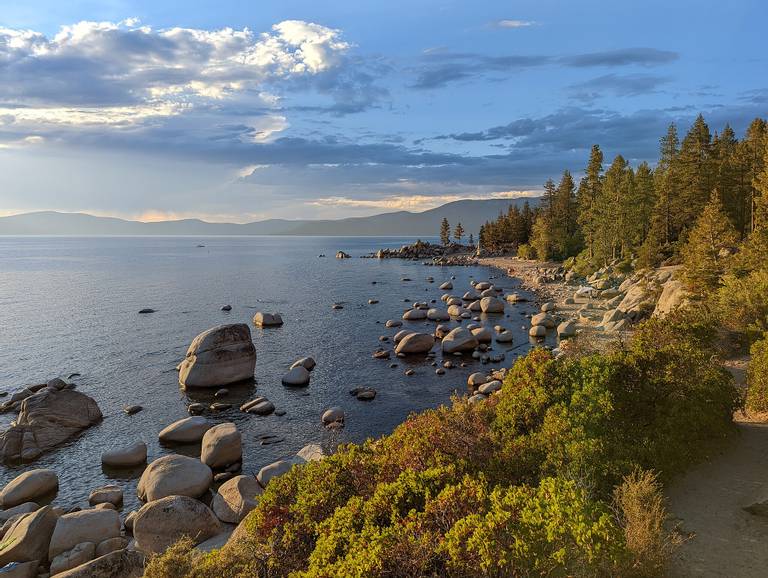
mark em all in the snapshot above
pixel 77 556
pixel 84 526
pixel 673 296
pixel 415 343
pixel 459 340
pixel 28 486
pixel 126 457
pixel 491 305
pixel 222 446
pixel 161 523
pixel 235 498
pixel 28 537
pixel 221 355
pixel 47 419
pixel 174 475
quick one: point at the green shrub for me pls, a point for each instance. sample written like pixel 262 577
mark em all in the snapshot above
pixel 552 529
pixel 743 303
pixel 525 251
pixel 757 376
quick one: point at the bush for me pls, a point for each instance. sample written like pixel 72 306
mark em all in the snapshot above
pixel 743 303
pixel 757 376
pixel 639 505
pixel 525 251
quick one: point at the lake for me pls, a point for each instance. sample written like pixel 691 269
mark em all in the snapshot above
pixel 70 305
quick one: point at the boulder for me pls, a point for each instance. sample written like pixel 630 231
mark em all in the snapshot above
pixel 118 564
pixel 415 343
pixel 400 335
pixel 221 355
pixel 77 556
pixel 28 486
pixel 393 323
pixel 516 298
pixel 489 387
pixel 129 456
pixel 491 305
pixel 673 296
pixel 482 334
pixel 235 498
pixel 415 315
pixel 543 319
pixel 471 296
pixel 477 379
pixel 28 537
pixel 332 415
pixel 161 523
pixel 185 431
pixel 24 508
pixel 456 310
pixel 311 453
pixel 548 306
pixel 612 316
pixel 566 329
pixel 537 331
pixel 258 406
pixel 84 526
pixel 275 470
pixel 474 306
pixel 174 475
pixel 47 419
pixel 307 363
pixel 297 376
pixel 261 319
pixel 438 315
pixel 447 286
pixel 442 330
pixel 342 255
pixel 110 545
pixel 222 446
pixel 106 495
pixel 505 337
pixel 459 340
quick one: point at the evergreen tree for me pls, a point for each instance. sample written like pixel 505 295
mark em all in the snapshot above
pixel 445 232
pixel 709 243
pixel 696 175
pixel 471 240
pixel 589 190
pixel 667 184
pixel 760 185
pixel 458 232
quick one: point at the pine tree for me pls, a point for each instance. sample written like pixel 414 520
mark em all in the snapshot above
pixel 696 175
pixel 705 255
pixel 458 232
pixel 589 190
pixel 471 240
pixel 667 183
pixel 445 232
pixel 760 186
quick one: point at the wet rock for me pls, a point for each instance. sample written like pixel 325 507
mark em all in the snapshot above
pixel 258 406
pixel 459 340
pixel 146 310
pixel 307 363
pixel 187 430
pixel 333 415
pixel 219 356
pixel 261 319
pixel 106 494
pixel 491 305
pixel 296 376
pixel 415 343
pixel 132 409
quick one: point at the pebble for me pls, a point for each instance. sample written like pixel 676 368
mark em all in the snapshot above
pixel 132 409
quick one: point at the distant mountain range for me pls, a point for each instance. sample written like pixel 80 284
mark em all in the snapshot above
pixel 471 214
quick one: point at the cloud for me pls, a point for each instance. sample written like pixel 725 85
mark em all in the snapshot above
pixel 440 68
pixel 618 85
pixel 514 23
pixel 622 57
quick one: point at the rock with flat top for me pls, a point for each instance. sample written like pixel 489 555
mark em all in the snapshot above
pixel 126 457
pixel 262 319
pixel 219 356
pixel 185 431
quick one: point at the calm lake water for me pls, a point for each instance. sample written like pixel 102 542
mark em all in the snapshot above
pixel 70 305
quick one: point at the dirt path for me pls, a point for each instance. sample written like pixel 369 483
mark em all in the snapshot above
pixel 708 502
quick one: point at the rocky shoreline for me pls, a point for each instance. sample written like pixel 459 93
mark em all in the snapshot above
pixel 207 496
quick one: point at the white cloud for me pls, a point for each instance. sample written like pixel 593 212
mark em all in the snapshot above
pixel 118 73
pixel 514 23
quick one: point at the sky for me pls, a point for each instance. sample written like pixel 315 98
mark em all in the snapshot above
pixel 242 110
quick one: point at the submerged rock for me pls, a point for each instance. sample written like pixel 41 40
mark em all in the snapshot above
pixel 219 356
pixel 187 430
